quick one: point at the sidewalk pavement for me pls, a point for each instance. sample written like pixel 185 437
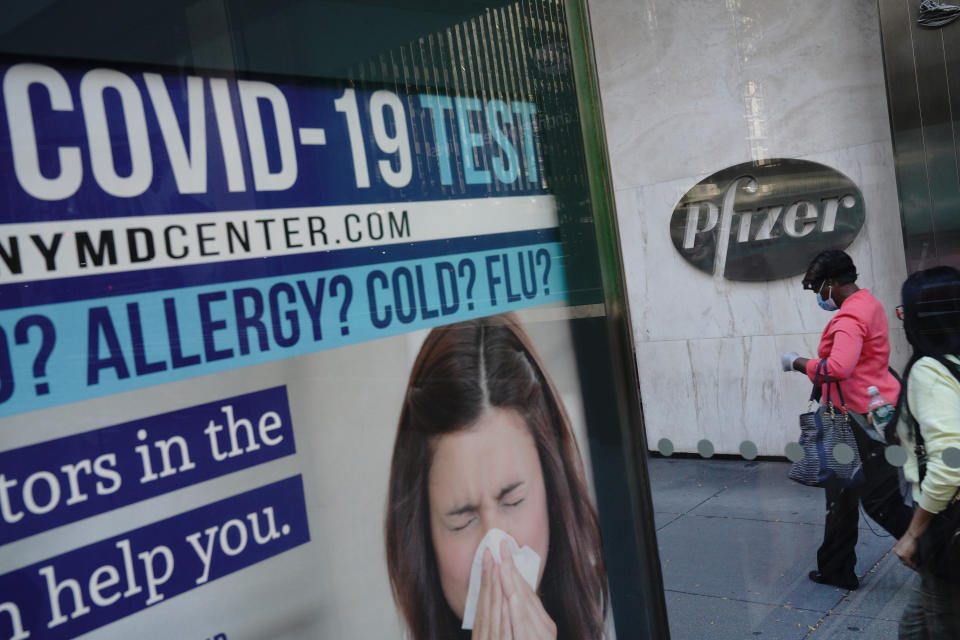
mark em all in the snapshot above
pixel 737 539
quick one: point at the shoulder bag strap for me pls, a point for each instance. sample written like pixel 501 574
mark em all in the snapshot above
pixel 895 375
pixel 816 381
pixel 830 383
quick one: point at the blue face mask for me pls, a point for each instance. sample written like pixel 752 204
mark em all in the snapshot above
pixel 828 304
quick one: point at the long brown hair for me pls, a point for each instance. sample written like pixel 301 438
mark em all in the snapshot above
pixel 461 371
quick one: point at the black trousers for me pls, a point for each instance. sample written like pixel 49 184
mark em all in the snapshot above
pixel 881 499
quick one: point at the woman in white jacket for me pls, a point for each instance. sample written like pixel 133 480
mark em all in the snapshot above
pixel 929 428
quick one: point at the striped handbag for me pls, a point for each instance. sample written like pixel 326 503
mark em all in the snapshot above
pixel 830 452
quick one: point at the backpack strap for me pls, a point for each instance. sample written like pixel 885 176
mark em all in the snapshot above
pixel 918 448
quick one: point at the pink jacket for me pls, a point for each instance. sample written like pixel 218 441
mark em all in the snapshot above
pixel 856 345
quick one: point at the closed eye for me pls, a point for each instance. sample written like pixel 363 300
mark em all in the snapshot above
pixel 464 526
pixel 509 493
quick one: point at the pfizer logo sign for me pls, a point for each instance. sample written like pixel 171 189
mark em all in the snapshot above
pixel 766 220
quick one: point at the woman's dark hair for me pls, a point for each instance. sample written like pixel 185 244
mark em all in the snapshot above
pixel 463 370
pixel 931 311
pixel 931 320
pixel 831 264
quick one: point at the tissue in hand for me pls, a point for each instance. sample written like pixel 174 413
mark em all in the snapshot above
pixel 526 560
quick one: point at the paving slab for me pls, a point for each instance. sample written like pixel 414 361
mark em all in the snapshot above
pixel 767 494
pixel 662 519
pixel 752 560
pixel 840 627
pixel 890 585
pixel 705 617
pixel 737 540
pixel 764 492
pixel 755 561
pixel 680 484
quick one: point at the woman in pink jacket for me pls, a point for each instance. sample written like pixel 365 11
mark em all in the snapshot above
pixel 856 347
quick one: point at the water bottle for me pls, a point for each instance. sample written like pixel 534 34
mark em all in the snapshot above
pixel 880 408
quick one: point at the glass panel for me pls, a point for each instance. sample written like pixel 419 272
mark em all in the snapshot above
pixel 300 305
pixel 742 144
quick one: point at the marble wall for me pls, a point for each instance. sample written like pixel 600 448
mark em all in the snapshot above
pixel 690 87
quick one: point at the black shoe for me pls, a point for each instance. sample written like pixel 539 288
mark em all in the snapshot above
pixel 849 584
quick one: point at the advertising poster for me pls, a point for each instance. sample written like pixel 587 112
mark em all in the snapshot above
pixel 226 410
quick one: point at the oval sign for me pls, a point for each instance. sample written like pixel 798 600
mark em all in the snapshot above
pixel 766 220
